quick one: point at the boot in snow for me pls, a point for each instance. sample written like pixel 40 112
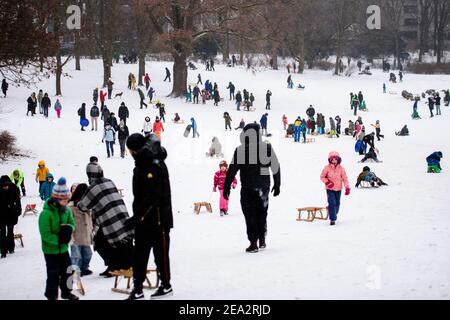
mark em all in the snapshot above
pixel 253 248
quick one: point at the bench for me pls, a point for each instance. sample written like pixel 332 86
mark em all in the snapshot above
pixel 313 213
pixel 128 274
pixel 198 206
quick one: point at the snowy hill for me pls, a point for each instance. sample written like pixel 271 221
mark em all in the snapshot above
pixel 389 243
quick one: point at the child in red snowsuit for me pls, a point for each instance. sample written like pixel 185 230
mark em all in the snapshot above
pixel 219 181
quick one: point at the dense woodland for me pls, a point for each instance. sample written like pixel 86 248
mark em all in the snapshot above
pixel 34 33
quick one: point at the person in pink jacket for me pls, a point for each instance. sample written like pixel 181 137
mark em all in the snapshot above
pixel 219 182
pixel 334 175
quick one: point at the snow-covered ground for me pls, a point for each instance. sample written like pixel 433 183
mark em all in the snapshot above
pixel 389 243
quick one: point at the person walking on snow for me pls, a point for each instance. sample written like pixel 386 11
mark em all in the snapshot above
pixel 110 84
pixel 194 128
pixel 46 104
pixel 17 177
pixel 11 209
pixel 123 113
pixel 5 86
pixel 56 225
pixel 334 176
pixel 150 94
pixel 167 75
pixel 284 119
pixel 58 108
pixel 219 183
pixel 109 137
pixel 152 213
pixel 437 102
pixel 47 187
pixel 263 123
pixel 378 129
pixel 268 95
pixel 255 182
pixel 147 81
pixel 147 127
pixel 142 97
pixel 94 113
pixel 231 87
pixel 123 134
pixel 158 127
pixel 103 96
pixel 39 100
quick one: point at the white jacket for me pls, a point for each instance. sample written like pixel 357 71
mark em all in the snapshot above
pixel 147 127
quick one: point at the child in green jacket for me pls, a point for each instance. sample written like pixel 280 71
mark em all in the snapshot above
pixel 56 225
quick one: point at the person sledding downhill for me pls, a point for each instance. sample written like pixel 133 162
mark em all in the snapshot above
pixel 370 177
pixel 434 162
pixel 333 176
pixel 219 183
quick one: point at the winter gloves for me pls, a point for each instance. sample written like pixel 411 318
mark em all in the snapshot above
pixel 347 191
pixel 330 185
pixel 276 191
pixel 65 233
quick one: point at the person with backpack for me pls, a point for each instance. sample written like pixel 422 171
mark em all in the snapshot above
pixel 254 159
pixel 219 183
pixel 58 108
pixel 123 134
pixel 152 214
pixel 10 210
pixel 334 177
pixel 123 113
pixel 56 225
pixel 109 137
pixel 82 114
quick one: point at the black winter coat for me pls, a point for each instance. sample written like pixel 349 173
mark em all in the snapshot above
pixel 46 103
pixel 10 207
pixel 95 112
pixel 123 112
pixel 238 97
pixel 151 187
pixel 253 175
pixel 123 134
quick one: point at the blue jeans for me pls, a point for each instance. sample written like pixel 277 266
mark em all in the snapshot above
pixel 297 135
pixel 110 145
pixel 334 201
pixel 238 105
pixel 81 256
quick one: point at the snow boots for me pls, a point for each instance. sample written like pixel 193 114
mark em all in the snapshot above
pixel 262 244
pixel 253 248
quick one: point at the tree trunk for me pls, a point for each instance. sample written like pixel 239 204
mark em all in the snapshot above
pixel 274 57
pixel 397 51
pixel 226 48
pixel 77 51
pixel 301 62
pixel 179 76
pixel 440 41
pixel 106 70
pixel 41 63
pixel 141 68
pixel 338 53
pixel 58 73
pixel 241 51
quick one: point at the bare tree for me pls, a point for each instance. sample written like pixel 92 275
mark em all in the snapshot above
pixel 442 19
pixel 394 12
pixel 425 18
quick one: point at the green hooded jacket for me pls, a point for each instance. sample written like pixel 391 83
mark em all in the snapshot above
pixel 50 220
pixel 19 181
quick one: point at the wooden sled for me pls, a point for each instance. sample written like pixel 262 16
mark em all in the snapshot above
pixel 367 185
pixel 310 140
pixel 313 213
pixel 80 287
pixel 128 274
pixel 19 239
pixel 178 122
pixel 198 206
pixel 30 209
pixel 251 109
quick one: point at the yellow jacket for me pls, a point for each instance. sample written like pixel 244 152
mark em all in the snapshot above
pixel 41 174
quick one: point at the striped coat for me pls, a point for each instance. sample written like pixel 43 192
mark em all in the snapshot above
pixel 108 209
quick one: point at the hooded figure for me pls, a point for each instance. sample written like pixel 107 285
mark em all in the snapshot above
pixel 113 238
pixel 152 212
pixel 254 159
pixel 334 176
pixel 434 162
pixel 17 177
pixel 10 210
pixel 403 132
pixel 47 187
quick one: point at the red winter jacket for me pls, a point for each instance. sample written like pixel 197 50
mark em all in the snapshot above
pixel 219 180
pixel 102 96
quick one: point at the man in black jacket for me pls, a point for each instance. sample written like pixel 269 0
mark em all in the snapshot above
pixel 231 87
pixel 253 158
pixel 123 113
pixel 46 103
pixel 10 209
pixel 152 212
pixel 95 113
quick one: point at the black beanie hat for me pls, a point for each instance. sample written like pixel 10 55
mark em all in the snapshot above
pixel 93 159
pixel 136 141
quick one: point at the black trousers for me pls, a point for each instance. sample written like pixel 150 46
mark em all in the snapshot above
pixel 195 98
pixel 255 203
pixel 58 272
pixel 115 258
pixel 122 143
pixel 6 238
pixel 146 238
pixel 22 186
